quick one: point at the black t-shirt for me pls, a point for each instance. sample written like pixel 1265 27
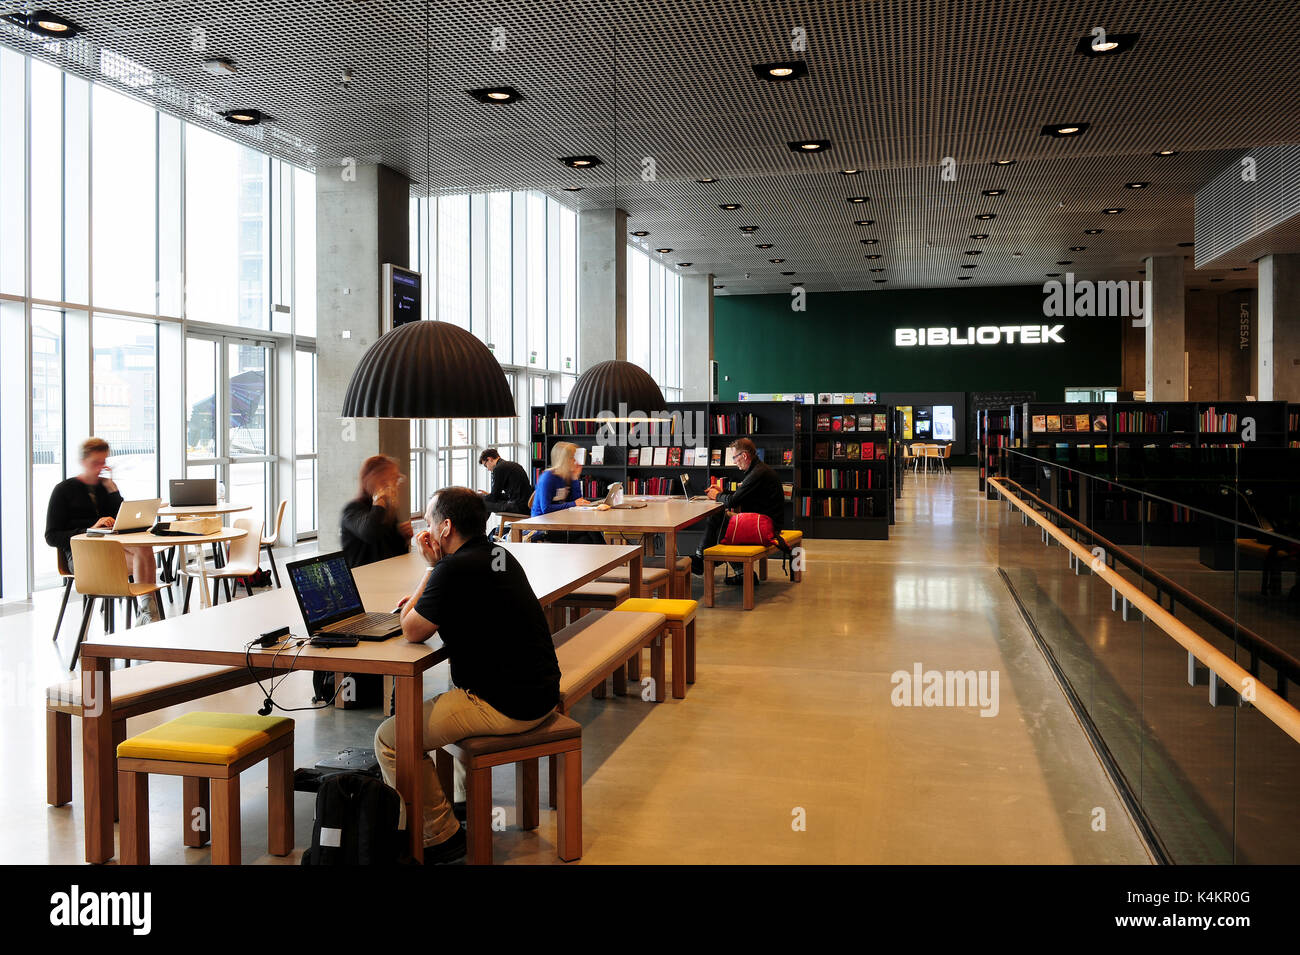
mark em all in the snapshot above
pixel 494 629
pixel 74 507
pixel 368 533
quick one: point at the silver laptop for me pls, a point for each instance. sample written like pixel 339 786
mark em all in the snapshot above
pixel 609 499
pixel 686 489
pixel 132 516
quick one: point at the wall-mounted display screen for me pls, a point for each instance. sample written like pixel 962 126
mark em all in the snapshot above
pixel 402 291
pixel 945 428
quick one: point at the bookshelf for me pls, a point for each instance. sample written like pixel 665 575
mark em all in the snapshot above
pixel 998 429
pixel 772 426
pixel 1293 426
pixel 659 453
pixel 846 465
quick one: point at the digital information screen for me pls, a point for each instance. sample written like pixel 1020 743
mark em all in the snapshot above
pixel 402 288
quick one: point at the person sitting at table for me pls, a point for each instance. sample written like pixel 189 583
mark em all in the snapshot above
pixel 511 488
pixel 91 499
pixel 505 677
pixel 559 488
pixel 373 526
pixel 759 491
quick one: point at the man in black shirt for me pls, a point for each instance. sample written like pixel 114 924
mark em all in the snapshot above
pixel 760 491
pixel 511 488
pixel 506 679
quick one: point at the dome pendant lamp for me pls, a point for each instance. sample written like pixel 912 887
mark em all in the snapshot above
pixel 615 391
pixel 428 369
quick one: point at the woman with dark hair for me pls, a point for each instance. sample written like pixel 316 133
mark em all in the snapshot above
pixel 374 525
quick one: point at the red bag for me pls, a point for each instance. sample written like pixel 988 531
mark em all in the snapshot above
pixel 749 530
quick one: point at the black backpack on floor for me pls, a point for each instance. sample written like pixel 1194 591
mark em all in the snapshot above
pixel 356 822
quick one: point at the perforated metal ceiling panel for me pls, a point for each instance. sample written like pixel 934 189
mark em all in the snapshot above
pixel 896 85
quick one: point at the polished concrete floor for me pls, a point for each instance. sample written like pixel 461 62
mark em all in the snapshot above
pixel 787 749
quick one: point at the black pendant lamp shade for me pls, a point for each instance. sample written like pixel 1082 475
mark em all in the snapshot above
pixel 428 370
pixel 612 391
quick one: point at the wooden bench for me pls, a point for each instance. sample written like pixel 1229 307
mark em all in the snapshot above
pixel 140 689
pixel 680 588
pixel 747 556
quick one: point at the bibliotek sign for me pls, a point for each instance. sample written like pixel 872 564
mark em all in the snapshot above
pixel 981 335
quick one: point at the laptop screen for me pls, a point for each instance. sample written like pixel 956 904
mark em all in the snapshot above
pixel 325 590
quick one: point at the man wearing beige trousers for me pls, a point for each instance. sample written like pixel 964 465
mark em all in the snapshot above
pixel 504 674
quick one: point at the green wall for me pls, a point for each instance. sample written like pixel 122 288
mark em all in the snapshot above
pixel 844 341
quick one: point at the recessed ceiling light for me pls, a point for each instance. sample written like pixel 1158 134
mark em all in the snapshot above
pixel 986 217
pixel 1066 262
pixel 684 265
pixel 1185 245
pixel 980 235
pixel 781 72
pixel 969 265
pixel 749 228
pixel 1107 44
pixel 789 273
pixel 850 172
pixel 580 162
pixel 1165 152
pixel 243 117
pixel 640 232
pixel 1093 231
pixel 1002 162
pixel 796 284
pixel 776 261
pixel 1077 248
pixel 45 23
pixel 876 255
pixel 1136 185
pixel 1112 212
pixel 1053 275
pixel 1239 268
pixel 810 145
pixel 497 95
pixel 663 251
pixel 1062 130
pixel 877 270
pixel 858 199
pixel 719 286
pixel 220 66
pixel 870 241
pixel 963 278
pixel 880 281
pixel 572 188
pixel 706 180
pixel 971 252
pixel 864 221
pixel 729 205
pixel 1016 255
pixel 994 192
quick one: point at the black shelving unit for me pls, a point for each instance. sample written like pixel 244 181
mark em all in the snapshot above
pixel 841 494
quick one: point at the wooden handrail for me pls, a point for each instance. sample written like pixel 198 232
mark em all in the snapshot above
pixel 1269 652
pixel 1278 710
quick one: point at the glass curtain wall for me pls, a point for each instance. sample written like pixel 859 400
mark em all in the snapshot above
pixel 105 329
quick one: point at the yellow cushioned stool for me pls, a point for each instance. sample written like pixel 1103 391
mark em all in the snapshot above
pixel 793 539
pixel 207 749
pixel 679 624
pixel 743 554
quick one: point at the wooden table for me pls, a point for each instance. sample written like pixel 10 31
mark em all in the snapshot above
pixel 146 539
pixel 661 515
pixel 220 634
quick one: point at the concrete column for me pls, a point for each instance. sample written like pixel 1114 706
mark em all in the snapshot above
pixel 1278 340
pixel 697 337
pixel 1166 367
pixel 602 287
pixel 361 223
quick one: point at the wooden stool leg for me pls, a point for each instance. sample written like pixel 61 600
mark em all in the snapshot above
pixel 552 799
pixel 569 816
pixel 599 692
pixel 133 789
pixel 478 799
pixel 197 821
pixel 279 825
pixel 620 680
pixel 690 652
pixel 634 668
pixel 658 674
pixel 226 837
pixel 58 758
pixel 527 793
pixel 678 631
pixel 708 583
pixel 119 737
pixel 748 571
pixel 762 569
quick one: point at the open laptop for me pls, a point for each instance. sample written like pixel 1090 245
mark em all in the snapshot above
pixel 609 499
pixel 192 492
pixel 686 489
pixel 132 516
pixel 327 596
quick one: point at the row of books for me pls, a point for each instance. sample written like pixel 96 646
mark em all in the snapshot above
pixel 1293 421
pixel 1127 422
pixel 538 450
pixel 832 479
pixel 999 421
pixel 1212 422
pixel 1044 423
pixel 736 424
pixel 837 506
pixel 850 451
pixel 555 424
pixel 653 485
pixel 671 457
pixel 848 422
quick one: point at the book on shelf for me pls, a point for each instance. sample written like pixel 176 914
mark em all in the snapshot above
pixel 1081 422
pixel 850 422
pixel 787 456
pixel 580 455
pixel 715 458
pixel 661 456
pixel 823 422
pixel 821 450
pixel 880 422
pixel 688 457
pixel 1099 423
pixel 729 457
pixel 674 457
pixel 735 423
pixel 882 451
pixel 787 490
pixel 837 422
pixel 762 454
pixel 865 422
pixel 868 451
pixel 853 450
pixel 1053 422
pixel 1039 423
pixel 633 457
pixel 1067 422
pixel 597 455
pixel 837 450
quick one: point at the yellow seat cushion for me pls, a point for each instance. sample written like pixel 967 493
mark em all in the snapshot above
pixel 672 609
pixel 220 738
pixel 733 551
pixel 792 537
